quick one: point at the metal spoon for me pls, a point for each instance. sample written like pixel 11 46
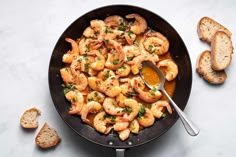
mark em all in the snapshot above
pixel 191 128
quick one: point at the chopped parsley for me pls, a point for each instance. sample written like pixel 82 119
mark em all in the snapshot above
pixel 113 118
pixel 105 41
pixel 151 48
pixel 129 58
pixel 154 90
pixel 66 90
pixel 142 111
pixel 116 61
pixel 135 42
pixel 95 93
pixel 79 60
pixel 108 30
pixel 68 87
pixel 130 34
pixel 122 25
pixel 107 75
pixel 127 109
pixel 87 66
pixel 74 99
pixel 90 99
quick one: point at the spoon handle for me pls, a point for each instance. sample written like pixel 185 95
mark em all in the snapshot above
pixel 190 127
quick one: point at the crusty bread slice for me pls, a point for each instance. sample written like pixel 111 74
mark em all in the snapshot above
pixel 221 50
pixel 47 137
pixel 209 74
pixel 29 118
pixel 207 27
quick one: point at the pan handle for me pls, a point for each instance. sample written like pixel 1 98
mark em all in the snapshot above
pixel 120 152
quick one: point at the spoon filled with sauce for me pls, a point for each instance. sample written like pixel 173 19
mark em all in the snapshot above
pixel 154 78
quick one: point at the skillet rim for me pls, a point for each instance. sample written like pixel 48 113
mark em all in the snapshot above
pixel 126 143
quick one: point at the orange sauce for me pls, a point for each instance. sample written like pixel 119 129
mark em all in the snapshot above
pixel 151 76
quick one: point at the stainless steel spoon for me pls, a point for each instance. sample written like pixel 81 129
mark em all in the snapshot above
pixel 190 127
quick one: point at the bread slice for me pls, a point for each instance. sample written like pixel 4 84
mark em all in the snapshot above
pixel 209 74
pixel 207 27
pixel 29 118
pixel 221 50
pixel 47 137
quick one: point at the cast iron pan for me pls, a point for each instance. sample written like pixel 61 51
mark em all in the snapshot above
pixel 183 85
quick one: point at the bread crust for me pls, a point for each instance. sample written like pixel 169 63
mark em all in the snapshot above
pixel 207 27
pixel 49 142
pixel 26 122
pixel 222 50
pixel 205 70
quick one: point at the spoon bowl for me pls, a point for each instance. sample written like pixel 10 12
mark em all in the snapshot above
pixel 190 127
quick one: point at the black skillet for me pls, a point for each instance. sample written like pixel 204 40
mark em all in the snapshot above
pixel 183 84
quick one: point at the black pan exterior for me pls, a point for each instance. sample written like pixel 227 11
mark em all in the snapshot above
pixel 179 54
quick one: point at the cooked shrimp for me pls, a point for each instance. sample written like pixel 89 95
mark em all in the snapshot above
pixel 75 66
pixel 88 44
pixel 114 21
pixel 134 126
pixel 157 43
pixel 119 126
pixel 95 96
pixel 136 62
pixel 139 26
pixel 132 107
pixel 105 74
pixel 92 72
pixel 111 107
pixel 120 100
pixel 84 64
pixel 99 27
pixel 151 96
pixel 139 82
pixel 71 54
pixel 99 60
pixel 66 75
pixel 158 107
pixel 130 37
pixel 100 123
pixel 124 134
pixel 123 71
pixel 90 107
pixel 81 82
pixel 110 86
pixel 92 83
pixel 89 33
pixel 125 88
pixel 113 35
pixel 113 91
pixel 131 51
pixel 170 69
pixel 115 60
pixel 77 101
pixel 147 119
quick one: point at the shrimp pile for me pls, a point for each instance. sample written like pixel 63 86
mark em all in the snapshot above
pixel 101 79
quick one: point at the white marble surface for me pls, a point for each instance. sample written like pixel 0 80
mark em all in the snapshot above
pixel 29 30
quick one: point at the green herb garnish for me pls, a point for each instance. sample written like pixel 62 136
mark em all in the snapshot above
pixel 136 42
pixel 106 41
pixel 129 58
pixel 90 99
pixel 107 30
pixel 122 25
pixel 116 61
pixel 142 111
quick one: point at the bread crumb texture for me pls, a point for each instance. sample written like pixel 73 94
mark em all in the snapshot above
pixel 47 137
pixel 29 118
